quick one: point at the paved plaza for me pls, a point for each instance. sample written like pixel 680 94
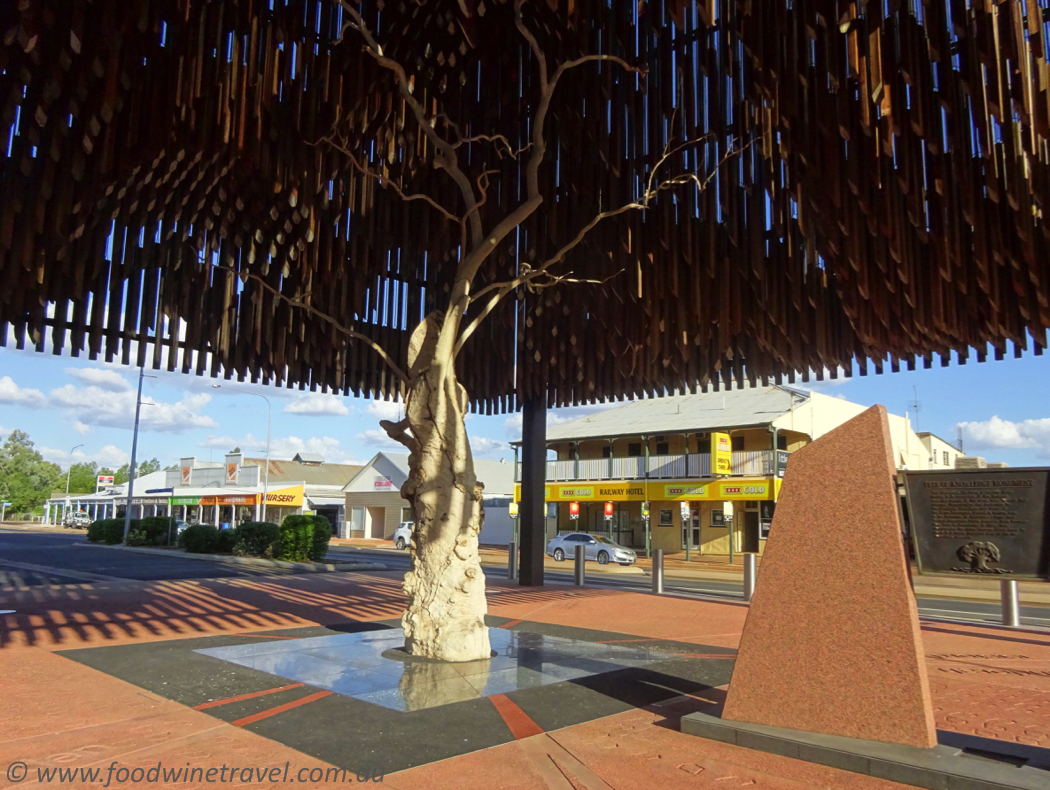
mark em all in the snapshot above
pixel 302 672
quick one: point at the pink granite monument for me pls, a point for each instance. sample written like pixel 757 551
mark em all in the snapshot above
pixel 832 642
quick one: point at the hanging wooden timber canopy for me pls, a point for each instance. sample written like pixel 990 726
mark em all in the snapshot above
pixel 882 195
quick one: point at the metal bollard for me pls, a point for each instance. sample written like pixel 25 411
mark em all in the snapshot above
pixel 658 571
pixel 512 560
pixel 750 571
pixel 1011 604
pixel 580 572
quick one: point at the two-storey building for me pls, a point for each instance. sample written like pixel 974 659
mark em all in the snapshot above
pixel 642 473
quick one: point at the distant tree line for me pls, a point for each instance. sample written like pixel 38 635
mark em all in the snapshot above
pixel 27 480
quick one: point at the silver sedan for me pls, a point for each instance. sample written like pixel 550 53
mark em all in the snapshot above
pixel 595 547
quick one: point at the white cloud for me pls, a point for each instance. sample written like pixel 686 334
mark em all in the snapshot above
pixel 105 379
pixel 483 447
pixel 997 433
pixel 285 448
pixel 386 410
pixel 380 441
pixel 318 404
pixel 110 455
pixel 556 416
pixel 95 406
pixel 12 393
pixel 82 428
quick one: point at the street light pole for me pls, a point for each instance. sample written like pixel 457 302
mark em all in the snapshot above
pixel 70 469
pixel 269 423
pixel 134 451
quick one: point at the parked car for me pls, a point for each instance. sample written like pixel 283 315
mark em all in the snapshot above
pixel 77 520
pixel 595 547
pixel 403 534
pixel 179 526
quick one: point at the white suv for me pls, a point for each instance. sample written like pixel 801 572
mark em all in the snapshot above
pixel 403 534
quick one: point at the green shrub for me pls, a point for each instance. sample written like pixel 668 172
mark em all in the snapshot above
pixel 137 538
pixel 111 531
pixel 296 539
pixel 96 531
pixel 257 536
pixel 322 534
pixel 156 530
pixel 199 539
pixel 226 542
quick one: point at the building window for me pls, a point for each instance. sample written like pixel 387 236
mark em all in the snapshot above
pixel 634 449
pixel 945 457
pixel 606 452
pixel 662 448
pixel 782 442
pixel 738 444
pixel 406 514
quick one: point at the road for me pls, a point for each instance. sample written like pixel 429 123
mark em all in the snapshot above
pixel 949 609
pixel 28 559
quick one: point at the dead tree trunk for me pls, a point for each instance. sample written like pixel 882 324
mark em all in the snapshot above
pixel 445 618
pixel 445 586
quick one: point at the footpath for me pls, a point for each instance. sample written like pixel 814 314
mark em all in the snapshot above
pixel 718 568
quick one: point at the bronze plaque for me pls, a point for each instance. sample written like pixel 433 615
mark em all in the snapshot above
pixel 980 522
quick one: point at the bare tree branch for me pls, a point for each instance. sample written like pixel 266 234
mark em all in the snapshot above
pixel 510 286
pixel 529 274
pixel 445 152
pixel 386 181
pixel 398 431
pixel 328 319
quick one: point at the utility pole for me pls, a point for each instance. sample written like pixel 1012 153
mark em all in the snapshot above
pixel 70 469
pixel 134 452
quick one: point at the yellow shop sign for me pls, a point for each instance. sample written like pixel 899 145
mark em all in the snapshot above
pixel 683 491
pixel 661 491
pixel 747 489
pixel 721 454
pixel 285 497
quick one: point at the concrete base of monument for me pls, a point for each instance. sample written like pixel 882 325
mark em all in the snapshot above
pixel 958 762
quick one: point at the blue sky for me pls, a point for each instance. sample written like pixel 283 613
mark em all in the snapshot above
pixel 61 402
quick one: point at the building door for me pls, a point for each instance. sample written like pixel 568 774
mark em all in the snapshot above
pixel 751 531
pixel 377 517
pixel 691 529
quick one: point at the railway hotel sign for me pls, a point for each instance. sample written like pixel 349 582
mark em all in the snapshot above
pixel 988 522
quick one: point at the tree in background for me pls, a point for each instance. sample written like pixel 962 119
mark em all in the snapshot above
pixel 82 478
pixel 141 470
pixel 26 479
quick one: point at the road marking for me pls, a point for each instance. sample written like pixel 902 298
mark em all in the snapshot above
pixel 239 697
pixel 79 575
pixel 279 709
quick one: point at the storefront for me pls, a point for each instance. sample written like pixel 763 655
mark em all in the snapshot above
pixel 233 509
pixel 681 513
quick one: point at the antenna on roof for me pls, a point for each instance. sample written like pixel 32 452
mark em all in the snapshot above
pixel 960 443
pixel 915 405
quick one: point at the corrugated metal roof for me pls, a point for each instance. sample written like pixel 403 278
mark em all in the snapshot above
pixel 295 472
pixel 681 414
pixel 498 477
pixel 309 458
